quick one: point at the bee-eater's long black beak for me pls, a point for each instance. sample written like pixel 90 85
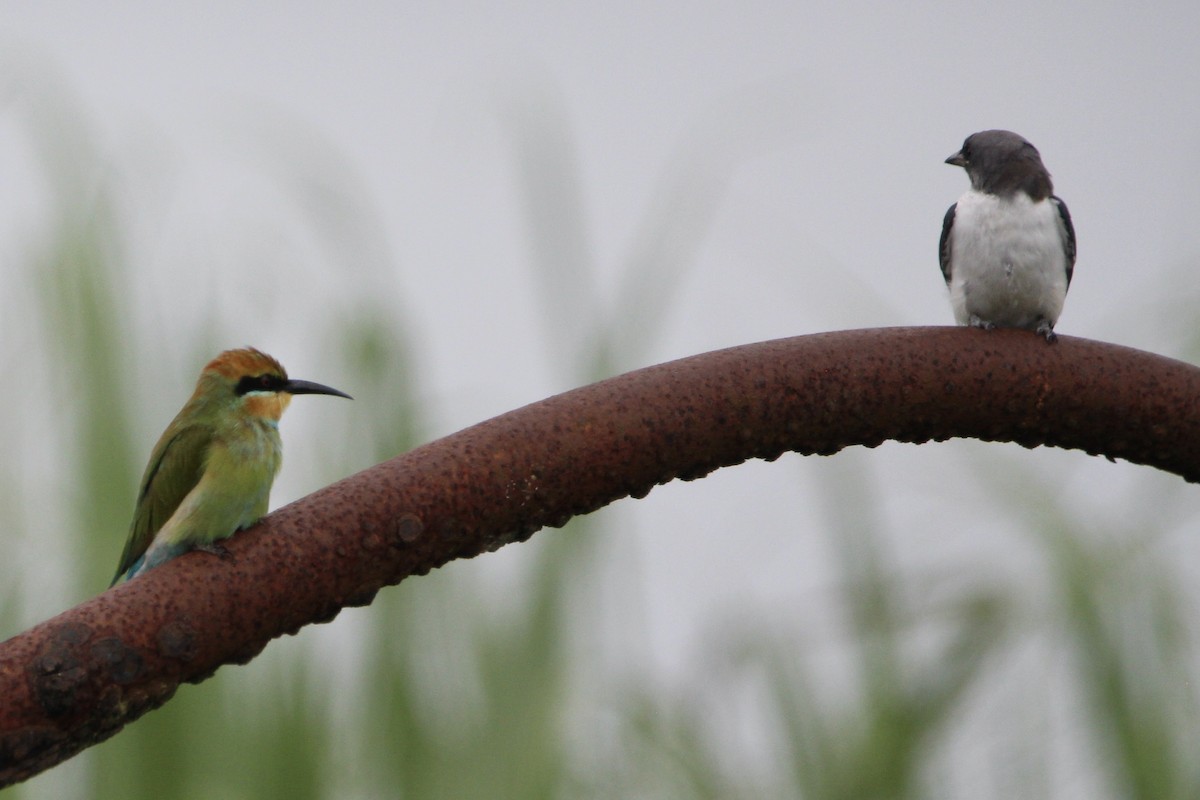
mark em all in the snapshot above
pixel 308 387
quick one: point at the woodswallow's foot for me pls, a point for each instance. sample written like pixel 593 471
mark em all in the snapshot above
pixel 1045 329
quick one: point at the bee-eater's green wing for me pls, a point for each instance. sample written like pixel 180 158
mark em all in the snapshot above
pixel 174 470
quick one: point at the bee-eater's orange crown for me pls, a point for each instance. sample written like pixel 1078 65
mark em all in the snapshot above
pixel 237 364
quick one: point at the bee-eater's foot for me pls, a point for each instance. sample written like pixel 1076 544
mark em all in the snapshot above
pixel 1046 330
pixel 977 322
pixel 216 549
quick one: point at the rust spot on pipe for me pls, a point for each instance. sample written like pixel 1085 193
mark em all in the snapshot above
pixel 177 639
pixel 122 664
pixel 408 528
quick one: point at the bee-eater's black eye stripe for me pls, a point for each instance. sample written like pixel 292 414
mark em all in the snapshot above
pixel 259 383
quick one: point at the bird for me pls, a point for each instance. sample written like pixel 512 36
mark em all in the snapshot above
pixel 1008 246
pixel 211 472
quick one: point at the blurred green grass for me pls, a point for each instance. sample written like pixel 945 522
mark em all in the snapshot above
pixel 447 694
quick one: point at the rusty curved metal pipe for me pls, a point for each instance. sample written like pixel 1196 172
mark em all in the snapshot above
pixel 78 678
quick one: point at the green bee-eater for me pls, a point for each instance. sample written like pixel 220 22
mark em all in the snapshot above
pixel 211 472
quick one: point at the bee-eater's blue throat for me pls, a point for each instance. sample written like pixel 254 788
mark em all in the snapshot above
pixel 211 472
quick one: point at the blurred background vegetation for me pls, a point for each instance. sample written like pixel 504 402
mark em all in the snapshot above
pixel 464 685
